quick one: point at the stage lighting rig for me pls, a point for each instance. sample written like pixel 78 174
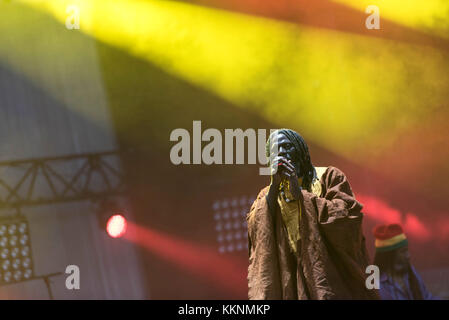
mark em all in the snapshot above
pixel 16 263
pixel 230 223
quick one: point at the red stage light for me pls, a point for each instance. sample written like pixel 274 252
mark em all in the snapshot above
pixel 116 226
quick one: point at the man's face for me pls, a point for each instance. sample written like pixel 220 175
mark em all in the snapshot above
pixel 285 149
pixel 402 260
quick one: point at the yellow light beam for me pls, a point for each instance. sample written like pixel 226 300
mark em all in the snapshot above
pixel 341 91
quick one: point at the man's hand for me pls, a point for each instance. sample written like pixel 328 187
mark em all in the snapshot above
pixel 285 171
pixel 281 169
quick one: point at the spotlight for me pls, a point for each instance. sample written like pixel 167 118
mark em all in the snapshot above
pixel 16 264
pixel 7 277
pixel 22 228
pixel 5 265
pixel 27 274
pixel 111 218
pixel 26 263
pixel 12 229
pixel 15 254
pixel 116 226
pixel 18 275
pixel 13 241
pixel 25 251
pixel 23 239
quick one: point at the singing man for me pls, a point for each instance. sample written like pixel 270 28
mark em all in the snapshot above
pixel 305 230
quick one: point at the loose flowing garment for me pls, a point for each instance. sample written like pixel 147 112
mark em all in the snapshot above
pixel 391 290
pixel 331 256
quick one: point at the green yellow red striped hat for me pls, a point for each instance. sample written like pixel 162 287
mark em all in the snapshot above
pixel 389 237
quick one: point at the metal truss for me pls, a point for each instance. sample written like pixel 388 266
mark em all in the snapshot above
pixel 60 179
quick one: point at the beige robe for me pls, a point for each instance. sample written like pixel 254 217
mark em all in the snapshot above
pixel 331 258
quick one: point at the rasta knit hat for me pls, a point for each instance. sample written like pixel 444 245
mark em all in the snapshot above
pixel 389 237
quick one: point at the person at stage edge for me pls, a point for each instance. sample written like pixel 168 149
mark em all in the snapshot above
pixel 399 280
